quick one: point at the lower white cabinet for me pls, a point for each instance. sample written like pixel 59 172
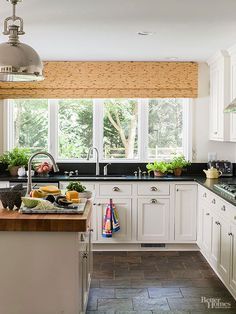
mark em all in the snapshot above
pixel 153 219
pixel 232 272
pixel 124 209
pixel 185 212
pixel 218 238
pixel 4 184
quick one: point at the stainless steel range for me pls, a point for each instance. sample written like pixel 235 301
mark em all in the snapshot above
pixel 227 189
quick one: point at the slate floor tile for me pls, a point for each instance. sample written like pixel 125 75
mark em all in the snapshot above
pixel 135 274
pixel 115 304
pixel 102 293
pixel 164 293
pixel 146 283
pixel 206 291
pixel 133 312
pixel 186 304
pixel 92 304
pixel 115 283
pixel 150 304
pixel 171 312
pixel 131 293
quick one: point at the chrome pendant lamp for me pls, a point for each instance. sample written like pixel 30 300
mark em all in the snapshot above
pixel 18 62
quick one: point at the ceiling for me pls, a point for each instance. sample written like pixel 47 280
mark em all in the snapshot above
pixel 107 29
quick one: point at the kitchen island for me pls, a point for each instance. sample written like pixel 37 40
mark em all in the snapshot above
pixel 45 262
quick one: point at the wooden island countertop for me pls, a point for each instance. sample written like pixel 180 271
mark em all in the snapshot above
pixel 16 221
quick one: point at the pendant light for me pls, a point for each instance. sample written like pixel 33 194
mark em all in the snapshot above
pixel 18 62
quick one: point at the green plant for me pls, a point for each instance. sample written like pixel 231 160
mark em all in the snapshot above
pixel 161 166
pixel 179 161
pixel 76 186
pixel 17 157
pixel 4 159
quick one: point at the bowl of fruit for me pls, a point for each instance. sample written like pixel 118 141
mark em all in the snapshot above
pixel 43 169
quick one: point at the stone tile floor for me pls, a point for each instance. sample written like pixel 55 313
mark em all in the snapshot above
pixel 155 283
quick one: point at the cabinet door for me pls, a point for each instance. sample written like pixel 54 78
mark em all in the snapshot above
pixel 215 242
pixel 224 250
pixel 153 219
pixel 124 209
pixel 4 184
pixel 233 96
pixel 232 278
pixel 206 231
pixel 216 118
pixel 186 212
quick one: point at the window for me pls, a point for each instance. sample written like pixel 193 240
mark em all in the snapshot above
pixel 30 124
pixel 122 129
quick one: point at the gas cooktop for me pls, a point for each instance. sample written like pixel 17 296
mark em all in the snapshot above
pixel 227 189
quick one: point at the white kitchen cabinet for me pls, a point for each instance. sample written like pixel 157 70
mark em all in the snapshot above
pixel 124 209
pixel 232 273
pixel 224 250
pixel 185 212
pixel 232 53
pixel 206 231
pixel 219 96
pixel 153 219
pixel 215 241
pixel 4 184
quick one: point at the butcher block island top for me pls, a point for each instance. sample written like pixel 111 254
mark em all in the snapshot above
pixel 16 221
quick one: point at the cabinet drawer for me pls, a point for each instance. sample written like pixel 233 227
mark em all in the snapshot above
pixel 115 189
pixel 153 189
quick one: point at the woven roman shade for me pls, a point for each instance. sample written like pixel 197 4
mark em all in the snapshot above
pixel 109 80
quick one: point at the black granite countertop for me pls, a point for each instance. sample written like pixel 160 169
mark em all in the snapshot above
pixel 207 183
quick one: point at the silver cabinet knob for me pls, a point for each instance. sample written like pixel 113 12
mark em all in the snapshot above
pixel 116 189
pixel 207 214
pixel 85 255
pixel 215 132
pixel 223 208
pixel 154 201
pixel 204 195
pixel 217 223
pixel 213 201
pixel 154 188
pixel 230 234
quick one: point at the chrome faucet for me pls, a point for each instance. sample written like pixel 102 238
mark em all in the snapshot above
pixel 29 181
pixel 97 159
pixel 105 169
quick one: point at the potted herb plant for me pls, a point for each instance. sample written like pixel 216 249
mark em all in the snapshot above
pixel 16 158
pixel 159 169
pixel 78 187
pixel 178 163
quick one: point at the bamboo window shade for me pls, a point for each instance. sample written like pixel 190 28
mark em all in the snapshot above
pixel 72 79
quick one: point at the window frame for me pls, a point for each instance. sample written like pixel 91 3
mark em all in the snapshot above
pixel 98 111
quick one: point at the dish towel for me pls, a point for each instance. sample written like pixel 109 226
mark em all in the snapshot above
pixel 110 221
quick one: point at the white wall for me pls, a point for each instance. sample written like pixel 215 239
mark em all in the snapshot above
pixel 201 144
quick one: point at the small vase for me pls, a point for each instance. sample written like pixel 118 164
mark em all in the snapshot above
pixel 178 172
pixel 14 171
pixel 159 174
pixel 21 172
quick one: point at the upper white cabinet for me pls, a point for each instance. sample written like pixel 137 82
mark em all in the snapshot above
pixel 219 129
pixel 232 116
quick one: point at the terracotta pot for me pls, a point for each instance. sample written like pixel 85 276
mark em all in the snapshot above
pixel 178 172
pixel 159 174
pixel 14 171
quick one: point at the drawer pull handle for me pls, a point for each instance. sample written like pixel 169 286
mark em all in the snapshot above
pixel 85 255
pixel 223 208
pixel 207 214
pixel 213 201
pixel 217 223
pixel 154 189
pixel 204 195
pixel 116 189
pixel 230 234
pixel 153 201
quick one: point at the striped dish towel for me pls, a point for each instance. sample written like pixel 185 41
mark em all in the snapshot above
pixel 110 221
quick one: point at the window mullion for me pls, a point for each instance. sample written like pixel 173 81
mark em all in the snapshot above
pixel 98 126
pixel 143 129
pixel 53 127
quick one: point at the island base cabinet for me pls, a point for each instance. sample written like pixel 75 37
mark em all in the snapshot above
pixel 39 273
pixel 224 250
pixel 153 219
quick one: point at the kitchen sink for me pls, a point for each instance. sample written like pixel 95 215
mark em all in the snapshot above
pixel 98 176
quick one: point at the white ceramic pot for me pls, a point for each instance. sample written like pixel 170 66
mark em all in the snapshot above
pixel 21 172
pixel 85 194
